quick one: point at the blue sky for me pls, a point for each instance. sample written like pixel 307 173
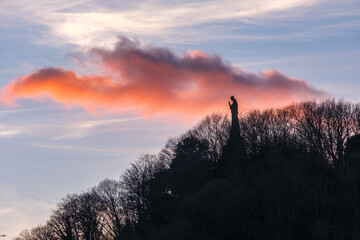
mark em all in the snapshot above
pixel 48 150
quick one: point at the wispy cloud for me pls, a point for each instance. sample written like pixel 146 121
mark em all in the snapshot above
pixel 82 129
pixel 9 131
pixel 115 150
pixel 6 210
pixel 91 23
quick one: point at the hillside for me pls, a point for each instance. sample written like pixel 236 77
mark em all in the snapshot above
pixel 288 173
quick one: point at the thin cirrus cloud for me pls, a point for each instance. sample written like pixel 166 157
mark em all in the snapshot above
pixel 94 23
pixel 83 129
pixel 154 80
pixel 109 150
pixel 9 131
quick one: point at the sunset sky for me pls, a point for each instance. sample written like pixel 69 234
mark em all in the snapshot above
pixel 87 86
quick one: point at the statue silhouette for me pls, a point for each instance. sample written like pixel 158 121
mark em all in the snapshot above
pixel 235 130
pixel 233 154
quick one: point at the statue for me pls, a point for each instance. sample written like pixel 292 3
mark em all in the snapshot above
pixel 234 109
pixel 234 115
pixel 234 152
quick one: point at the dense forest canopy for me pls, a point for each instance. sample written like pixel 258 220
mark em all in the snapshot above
pixel 292 173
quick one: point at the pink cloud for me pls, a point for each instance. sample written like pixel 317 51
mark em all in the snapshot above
pixel 155 80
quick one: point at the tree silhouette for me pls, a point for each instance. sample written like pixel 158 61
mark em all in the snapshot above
pixel 287 173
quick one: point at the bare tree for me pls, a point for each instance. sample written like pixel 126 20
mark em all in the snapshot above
pixel 43 232
pixel 214 129
pixel 134 183
pixel 63 220
pixel 167 154
pixel 109 192
pixel 264 128
pixel 78 217
pixel 325 127
pixel 89 215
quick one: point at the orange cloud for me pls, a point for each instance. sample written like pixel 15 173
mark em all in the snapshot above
pixel 155 80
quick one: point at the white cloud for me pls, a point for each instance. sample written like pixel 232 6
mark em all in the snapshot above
pixel 81 23
pixel 116 150
pixel 6 210
pixel 82 129
pixel 8 131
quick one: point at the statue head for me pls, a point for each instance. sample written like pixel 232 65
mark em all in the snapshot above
pixel 232 98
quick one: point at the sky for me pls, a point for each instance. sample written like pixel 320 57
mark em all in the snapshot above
pixel 88 86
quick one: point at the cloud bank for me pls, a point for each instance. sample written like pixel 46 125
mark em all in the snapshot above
pixel 155 80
